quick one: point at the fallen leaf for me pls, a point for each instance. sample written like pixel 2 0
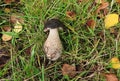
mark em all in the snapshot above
pixel 111 77
pixel 115 63
pixel 6 28
pixel 8 1
pixel 118 1
pixel 6 37
pixel 98 1
pixel 4 56
pixel 28 51
pixel 71 15
pixel 16 17
pixel 91 23
pixel 111 20
pixel 69 70
pixel 103 6
pixel 3 60
pixel 7 10
pixel 17 27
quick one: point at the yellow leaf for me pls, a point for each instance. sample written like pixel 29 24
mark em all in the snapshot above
pixel 111 20
pixel 6 37
pixel 17 27
pixel 115 63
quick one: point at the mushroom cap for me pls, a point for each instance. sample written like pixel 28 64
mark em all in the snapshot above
pixel 53 23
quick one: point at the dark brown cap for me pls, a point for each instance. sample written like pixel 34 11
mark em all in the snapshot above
pixel 53 23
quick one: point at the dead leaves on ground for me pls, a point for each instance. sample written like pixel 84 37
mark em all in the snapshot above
pixel 17 27
pixel 6 37
pixel 71 15
pixel 4 54
pixel 10 1
pixel 103 7
pixel 115 63
pixel 28 51
pixel 17 22
pixel 111 20
pixel 16 17
pixel 118 1
pixel 91 23
pixel 69 70
pixel 12 26
pixel 110 77
pixel 6 28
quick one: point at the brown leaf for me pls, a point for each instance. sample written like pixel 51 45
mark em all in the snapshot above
pixel 118 1
pixel 4 56
pixel 28 51
pixel 8 1
pixel 6 37
pixel 3 60
pixel 16 17
pixel 110 77
pixel 91 23
pixel 103 6
pixel 71 15
pixel 69 70
pixel 6 28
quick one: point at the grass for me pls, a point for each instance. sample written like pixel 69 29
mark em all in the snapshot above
pixel 83 47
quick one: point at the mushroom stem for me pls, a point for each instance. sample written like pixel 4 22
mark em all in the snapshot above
pixel 53 46
pixel 53 35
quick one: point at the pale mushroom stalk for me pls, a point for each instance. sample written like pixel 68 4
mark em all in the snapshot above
pixel 53 46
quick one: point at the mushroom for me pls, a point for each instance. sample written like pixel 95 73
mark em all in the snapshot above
pixel 53 46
